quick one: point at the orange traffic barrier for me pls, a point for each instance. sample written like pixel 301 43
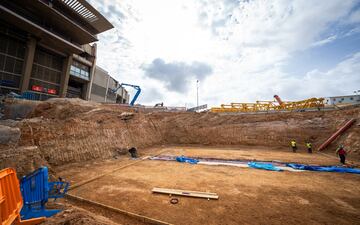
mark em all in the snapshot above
pixel 11 201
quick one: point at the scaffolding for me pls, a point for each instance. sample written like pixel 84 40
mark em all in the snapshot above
pixel 264 106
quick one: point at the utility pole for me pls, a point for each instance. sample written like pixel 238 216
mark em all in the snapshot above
pixel 197 93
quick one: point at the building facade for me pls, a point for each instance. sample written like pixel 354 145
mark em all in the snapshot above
pixel 45 47
pixel 339 100
pixel 103 86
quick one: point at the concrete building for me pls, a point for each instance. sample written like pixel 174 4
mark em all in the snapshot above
pixel 347 99
pixel 44 47
pixel 102 88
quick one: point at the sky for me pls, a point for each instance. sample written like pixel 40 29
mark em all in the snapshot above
pixel 239 50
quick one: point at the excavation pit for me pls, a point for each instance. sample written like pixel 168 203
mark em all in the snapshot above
pixel 246 196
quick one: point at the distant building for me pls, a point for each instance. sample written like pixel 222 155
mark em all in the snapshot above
pixel 348 99
pixel 44 47
pixel 103 86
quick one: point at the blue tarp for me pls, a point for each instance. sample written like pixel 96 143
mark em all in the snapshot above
pixel 187 160
pixel 264 166
pixel 324 168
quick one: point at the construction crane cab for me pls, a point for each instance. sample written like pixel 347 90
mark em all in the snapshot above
pixel 136 87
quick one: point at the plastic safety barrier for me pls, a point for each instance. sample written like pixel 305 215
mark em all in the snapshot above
pixel 337 169
pixel 186 160
pixel 264 166
pixel 11 201
pixel 36 190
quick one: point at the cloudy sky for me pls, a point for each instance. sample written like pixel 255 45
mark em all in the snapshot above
pixel 239 50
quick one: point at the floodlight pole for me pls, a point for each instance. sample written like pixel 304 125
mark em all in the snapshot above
pixel 197 93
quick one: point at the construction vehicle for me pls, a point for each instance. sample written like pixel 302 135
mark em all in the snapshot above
pixel 277 105
pixel 136 87
pixel 159 105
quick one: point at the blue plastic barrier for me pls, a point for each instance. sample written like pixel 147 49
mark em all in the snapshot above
pixel 263 166
pixel 28 95
pixel 324 168
pixel 186 160
pixel 36 190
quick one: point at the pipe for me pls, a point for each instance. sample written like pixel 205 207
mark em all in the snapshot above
pixel 340 131
pixel 278 99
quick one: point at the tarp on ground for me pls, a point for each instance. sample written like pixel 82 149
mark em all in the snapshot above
pixel 186 160
pixel 324 168
pixel 264 166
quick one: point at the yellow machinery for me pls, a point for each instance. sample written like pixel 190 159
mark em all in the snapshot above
pixel 270 105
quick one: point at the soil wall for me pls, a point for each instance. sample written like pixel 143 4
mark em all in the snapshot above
pixel 66 131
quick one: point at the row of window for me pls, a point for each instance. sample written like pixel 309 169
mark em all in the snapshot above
pixel 12 47
pixel 46 74
pixel 80 70
pixel 48 60
pixel 342 99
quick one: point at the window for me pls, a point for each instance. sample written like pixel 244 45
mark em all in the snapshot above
pixel 351 98
pixel 80 70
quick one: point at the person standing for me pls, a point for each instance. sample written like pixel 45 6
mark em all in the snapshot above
pixel 133 152
pixel 340 151
pixel 293 145
pixel 309 147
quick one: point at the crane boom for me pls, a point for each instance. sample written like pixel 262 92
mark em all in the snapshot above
pixel 136 87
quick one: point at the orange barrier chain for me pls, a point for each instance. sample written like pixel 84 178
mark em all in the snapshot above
pixel 11 201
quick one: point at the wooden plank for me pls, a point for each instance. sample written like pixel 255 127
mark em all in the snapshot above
pixel 196 194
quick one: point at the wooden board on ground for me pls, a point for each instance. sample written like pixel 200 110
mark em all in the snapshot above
pixel 196 194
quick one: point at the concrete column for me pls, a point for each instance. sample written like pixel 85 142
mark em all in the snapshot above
pixel 107 87
pixel 65 76
pixel 92 74
pixel 28 63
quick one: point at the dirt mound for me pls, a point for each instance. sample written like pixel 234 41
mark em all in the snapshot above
pixel 24 158
pixel 76 216
pixel 62 108
pixel 72 130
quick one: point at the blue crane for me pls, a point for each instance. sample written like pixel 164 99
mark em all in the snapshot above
pixel 136 87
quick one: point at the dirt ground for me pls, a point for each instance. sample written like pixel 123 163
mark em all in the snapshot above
pixel 246 196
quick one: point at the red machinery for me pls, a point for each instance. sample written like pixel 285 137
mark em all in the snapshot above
pixel 340 131
pixel 278 99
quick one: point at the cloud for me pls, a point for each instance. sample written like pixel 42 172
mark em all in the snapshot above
pixel 151 95
pixel 242 45
pixel 354 17
pixel 176 75
pixel 341 79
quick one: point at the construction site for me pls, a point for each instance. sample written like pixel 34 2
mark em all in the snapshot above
pixel 87 144
pixel 76 147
